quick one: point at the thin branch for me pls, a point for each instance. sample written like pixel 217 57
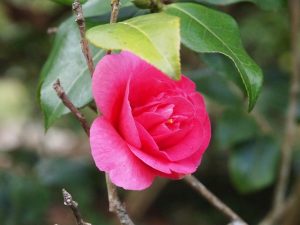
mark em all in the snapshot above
pixel 115 204
pixel 276 215
pixel 67 102
pixel 115 7
pixel 52 30
pixel 84 43
pixel 68 201
pixel 290 124
pixel 215 201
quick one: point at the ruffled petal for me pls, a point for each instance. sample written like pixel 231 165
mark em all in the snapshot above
pixel 109 82
pixel 189 144
pixel 127 125
pixel 112 155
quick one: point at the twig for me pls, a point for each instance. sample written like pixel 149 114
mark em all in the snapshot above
pixel 138 202
pixel 52 30
pixel 215 201
pixel 290 127
pixel 67 102
pixel 115 5
pixel 68 201
pixel 274 216
pixel 115 204
pixel 84 43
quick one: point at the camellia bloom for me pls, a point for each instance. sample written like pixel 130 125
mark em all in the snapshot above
pixel 150 125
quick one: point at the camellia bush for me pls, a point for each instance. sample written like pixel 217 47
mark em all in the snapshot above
pixel 124 60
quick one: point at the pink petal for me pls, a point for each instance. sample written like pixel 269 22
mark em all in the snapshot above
pixel 127 123
pixel 148 83
pixel 182 106
pixel 151 119
pixel 189 144
pixel 151 160
pixel 188 165
pixel 112 155
pixel 169 139
pixel 199 105
pixel 109 82
pixel 186 84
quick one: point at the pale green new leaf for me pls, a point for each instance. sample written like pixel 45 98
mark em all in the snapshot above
pixel 155 38
pixel 209 31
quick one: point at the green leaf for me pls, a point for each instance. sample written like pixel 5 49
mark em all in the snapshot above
pixel 223 66
pixel 235 126
pixel 67 63
pixel 252 166
pixel 67 2
pixel 215 86
pixel 155 38
pixel 264 4
pixel 206 30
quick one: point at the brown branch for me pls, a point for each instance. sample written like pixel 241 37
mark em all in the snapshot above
pixel 115 6
pixel 138 202
pixel 290 124
pixel 68 201
pixel 115 204
pixel 52 30
pixel 276 215
pixel 215 201
pixel 281 206
pixel 67 102
pixel 84 43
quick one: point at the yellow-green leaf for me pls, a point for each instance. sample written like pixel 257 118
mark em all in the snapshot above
pixel 155 38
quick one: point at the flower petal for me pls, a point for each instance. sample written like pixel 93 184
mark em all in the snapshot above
pixel 188 165
pixel 150 153
pixel 112 155
pixel 109 82
pixel 127 125
pixel 188 144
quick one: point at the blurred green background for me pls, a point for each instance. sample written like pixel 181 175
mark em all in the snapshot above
pixel 240 165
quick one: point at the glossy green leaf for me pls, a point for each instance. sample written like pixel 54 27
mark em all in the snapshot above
pixel 223 66
pixel 264 4
pixel 155 38
pixel 234 127
pixel 67 63
pixel 206 30
pixel 215 86
pixel 252 166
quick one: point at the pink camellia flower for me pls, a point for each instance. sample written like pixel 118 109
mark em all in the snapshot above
pixel 150 124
